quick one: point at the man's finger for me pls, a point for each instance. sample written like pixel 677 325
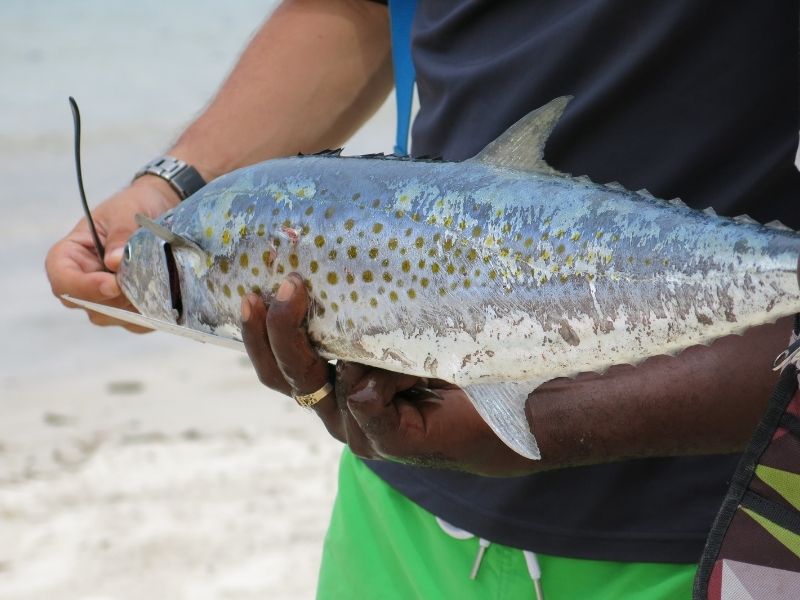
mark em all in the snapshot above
pixel 304 369
pixel 393 426
pixel 256 342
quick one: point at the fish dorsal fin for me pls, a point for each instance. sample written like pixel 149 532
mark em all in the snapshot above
pixel 745 219
pixel 521 146
pixel 710 211
pixel 778 225
pixel 677 202
pixel 172 238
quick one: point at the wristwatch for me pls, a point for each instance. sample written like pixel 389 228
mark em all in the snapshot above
pixel 183 177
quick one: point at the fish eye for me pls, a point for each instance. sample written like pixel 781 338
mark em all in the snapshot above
pixel 127 254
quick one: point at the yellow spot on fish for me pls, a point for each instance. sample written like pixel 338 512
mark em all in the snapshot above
pixel 334 307
pixel 416 217
pixel 244 260
pixel 367 276
pixel 489 241
pixel 419 242
pixel 432 219
pixel 280 268
pixel 560 233
pixel 255 271
pixel 545 254
pixel 243 231
pixel 442 291
pixel 373 253
pixel 305 229
pixel 376 203
pixel 373 302
pixel 424 282
pixel 503 252
pixel 256 290
pixel 506 227
pixel 319 241
pixel 448 245
pixel 560 249
pixel 406 266
pixel 393 296
pixel 323 294
pixel 332 255
pixel 223 264
pixel 598 235
pixel 575 236
pixel 400 214
pixel 477 231
pixel 492 274
pixel 349 224
pixel 392 244
pixel 226 237
pixel 434 267
pixel 209 285
pixel 421 264
pixel 451 268
pixel 314 266
pixel 354 296
pixel 261 230
pixel 432 252
pixel 411 293
pixel 209 232
pixel 350 278
pixel 352 252
pixel 293 260
pixel 333 278
pixel 267 258
pixel 387 277
pixel 570 260
pixel 209 260
pixel 240 290
pixel 377 228
pixel 226 290
pixel 448 221
pixel 349 324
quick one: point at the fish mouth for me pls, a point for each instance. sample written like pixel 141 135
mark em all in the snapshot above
pixel 176 298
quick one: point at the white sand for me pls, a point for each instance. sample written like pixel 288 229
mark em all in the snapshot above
pixel 134 466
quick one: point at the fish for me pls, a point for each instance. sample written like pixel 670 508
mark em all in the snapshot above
pixel 497 273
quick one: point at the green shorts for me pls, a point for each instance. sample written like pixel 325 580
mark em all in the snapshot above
pixel 382 545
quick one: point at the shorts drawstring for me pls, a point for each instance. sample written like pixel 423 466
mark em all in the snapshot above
pixel 530 558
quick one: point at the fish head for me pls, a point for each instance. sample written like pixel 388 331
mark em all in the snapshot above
pixel 145 276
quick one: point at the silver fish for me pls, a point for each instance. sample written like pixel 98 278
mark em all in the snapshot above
pixel 497 273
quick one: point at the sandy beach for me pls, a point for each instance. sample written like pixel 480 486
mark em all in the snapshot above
pixel 134 466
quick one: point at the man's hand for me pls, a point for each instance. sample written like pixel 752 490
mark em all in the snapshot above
pixel 72 264
pixel 379 414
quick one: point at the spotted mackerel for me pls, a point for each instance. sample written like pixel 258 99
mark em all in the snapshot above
pixel 497 273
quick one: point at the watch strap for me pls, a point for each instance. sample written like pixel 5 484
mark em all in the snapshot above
pixel 183 177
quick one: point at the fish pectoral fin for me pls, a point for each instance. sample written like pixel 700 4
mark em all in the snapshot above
pixel 158 324
pixel 502 406
pixel 521 146
pixel 169 236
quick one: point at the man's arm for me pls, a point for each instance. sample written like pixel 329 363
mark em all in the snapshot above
pixel 706 400
pixel 313 73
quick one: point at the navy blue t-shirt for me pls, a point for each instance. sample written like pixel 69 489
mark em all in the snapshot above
pixel 689 98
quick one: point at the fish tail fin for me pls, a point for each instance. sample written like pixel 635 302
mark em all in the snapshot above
pixel 502 406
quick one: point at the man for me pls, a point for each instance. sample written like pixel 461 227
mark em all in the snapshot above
pixel 666 98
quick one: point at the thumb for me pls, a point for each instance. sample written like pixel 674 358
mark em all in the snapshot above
pixel 115 244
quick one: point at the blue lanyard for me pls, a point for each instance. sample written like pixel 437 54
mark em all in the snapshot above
pixel 401 14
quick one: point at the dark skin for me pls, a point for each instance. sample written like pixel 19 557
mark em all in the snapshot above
pixel 707 400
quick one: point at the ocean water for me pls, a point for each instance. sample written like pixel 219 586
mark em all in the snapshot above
pixel 140 72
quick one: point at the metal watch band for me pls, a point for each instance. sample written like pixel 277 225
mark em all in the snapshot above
pixel 183 177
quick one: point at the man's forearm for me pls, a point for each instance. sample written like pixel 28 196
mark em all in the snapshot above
pixel 313 73
pixel 706 400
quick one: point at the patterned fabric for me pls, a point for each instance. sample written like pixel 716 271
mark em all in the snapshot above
pixel 753 551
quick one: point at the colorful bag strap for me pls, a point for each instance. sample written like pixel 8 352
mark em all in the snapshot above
pixel 753 550
pixel 401 15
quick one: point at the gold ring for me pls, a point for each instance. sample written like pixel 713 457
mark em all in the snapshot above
pixel 309 400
